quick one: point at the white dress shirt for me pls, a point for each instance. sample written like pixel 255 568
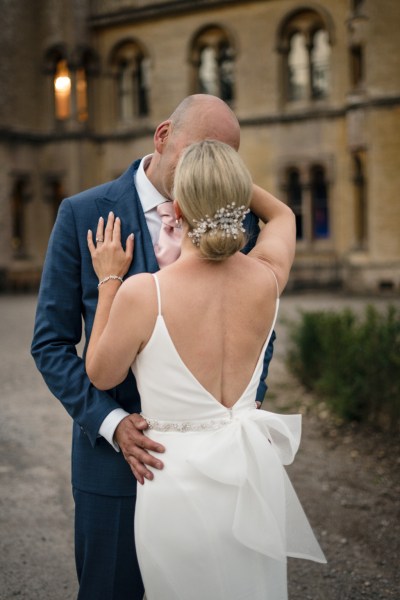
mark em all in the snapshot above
pixel 149 198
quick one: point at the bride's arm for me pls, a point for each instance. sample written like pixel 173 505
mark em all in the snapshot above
pixel 116 334
pixel 123 322
pixel 276 242
pixel 104 364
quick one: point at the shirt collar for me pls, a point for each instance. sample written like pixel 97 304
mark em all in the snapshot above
pixel 149 196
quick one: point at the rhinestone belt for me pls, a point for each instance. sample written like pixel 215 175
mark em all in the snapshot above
pixel 187 426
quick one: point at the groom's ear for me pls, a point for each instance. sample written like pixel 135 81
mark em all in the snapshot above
pixel 161 135
pixel 177 210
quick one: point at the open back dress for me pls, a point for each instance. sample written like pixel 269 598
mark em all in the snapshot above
pixel 218 522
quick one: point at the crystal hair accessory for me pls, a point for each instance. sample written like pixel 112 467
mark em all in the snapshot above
pixel 228 219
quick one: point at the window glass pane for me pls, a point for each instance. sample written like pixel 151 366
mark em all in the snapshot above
pixel 19 198
pixel 143 78
pixel 62 91
pixel 298 68
pixel 81 95
pixel 226 72
pixel 125 91
pixel 295 200
pixel 208 71
pixel 360 193
pixel 319 197
pixel 320 57
pixel 56 196
pixel 357 65
pixel 17 216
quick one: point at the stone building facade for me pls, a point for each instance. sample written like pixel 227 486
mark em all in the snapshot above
pixel 315 85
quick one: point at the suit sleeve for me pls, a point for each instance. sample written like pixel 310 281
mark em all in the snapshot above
pixel 263 387
pixel 58 329
pixel 253 229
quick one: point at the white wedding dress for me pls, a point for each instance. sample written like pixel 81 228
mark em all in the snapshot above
pixel 218 522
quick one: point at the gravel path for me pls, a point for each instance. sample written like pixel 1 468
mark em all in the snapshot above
pixel 347 480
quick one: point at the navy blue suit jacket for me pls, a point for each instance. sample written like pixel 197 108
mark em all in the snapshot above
pixel 68 294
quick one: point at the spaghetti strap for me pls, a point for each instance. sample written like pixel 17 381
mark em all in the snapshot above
pixel 158 293
pixel 276 282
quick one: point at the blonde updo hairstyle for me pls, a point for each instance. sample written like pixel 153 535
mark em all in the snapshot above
pixel 210 176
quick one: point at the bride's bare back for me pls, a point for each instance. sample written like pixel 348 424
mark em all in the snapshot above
pixel 218 316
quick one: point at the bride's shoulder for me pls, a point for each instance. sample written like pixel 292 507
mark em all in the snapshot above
pixel 137 286
pixel 139 279
pixel 137 298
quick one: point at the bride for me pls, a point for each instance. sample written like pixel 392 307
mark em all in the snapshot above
pixel 221 518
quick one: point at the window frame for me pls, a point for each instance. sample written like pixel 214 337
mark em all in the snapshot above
pixel 218 38
pixel 309 241
pixel 130 54
pixel 80 64
pixel 306 21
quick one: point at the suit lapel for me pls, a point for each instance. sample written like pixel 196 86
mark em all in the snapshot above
pixel 122 198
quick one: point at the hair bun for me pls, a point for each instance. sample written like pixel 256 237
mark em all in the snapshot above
pixel 218 246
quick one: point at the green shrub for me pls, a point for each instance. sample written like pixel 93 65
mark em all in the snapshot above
pixel 354 363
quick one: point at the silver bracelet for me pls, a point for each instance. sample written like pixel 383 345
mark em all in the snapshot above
pixel 108 279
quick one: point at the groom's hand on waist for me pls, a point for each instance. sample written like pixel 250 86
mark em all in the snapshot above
pixel 135 446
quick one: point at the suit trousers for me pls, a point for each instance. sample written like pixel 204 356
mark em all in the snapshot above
pixel 105 553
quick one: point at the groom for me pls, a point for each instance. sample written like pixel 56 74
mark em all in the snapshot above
pixel 109 450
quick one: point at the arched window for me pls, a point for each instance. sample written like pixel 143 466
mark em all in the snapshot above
pixel 213 59
pixel 131 71
pixel 319 203
pixel 70 74
pixel 304 41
